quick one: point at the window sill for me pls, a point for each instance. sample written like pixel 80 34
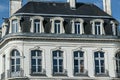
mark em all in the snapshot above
pixel 102 75
pixel 80 74
pixel 38 74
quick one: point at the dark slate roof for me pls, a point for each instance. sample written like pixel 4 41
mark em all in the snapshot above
pixel 62 8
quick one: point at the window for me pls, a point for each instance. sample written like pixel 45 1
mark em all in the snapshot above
pixel 36 61
pixel 78 62
pixel 97 28
pixel 114 28
pixel 36 26
pixel 15 61
pixel 57 27
pixel 57 61
pixel 77 28
pixel 14 26
pixel 99 62
pixel 117 56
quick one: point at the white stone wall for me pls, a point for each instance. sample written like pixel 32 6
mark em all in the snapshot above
pixel 24 47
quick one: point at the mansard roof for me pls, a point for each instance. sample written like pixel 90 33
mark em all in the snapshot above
pixel 61 9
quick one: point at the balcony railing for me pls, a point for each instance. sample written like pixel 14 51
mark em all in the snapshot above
pixel 105 74
pixel 42 73
pixel 3 76
pixel 83 73
pixel 64 73
pixel 15 74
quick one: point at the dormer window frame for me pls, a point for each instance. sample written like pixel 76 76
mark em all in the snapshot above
pixel 114 28
pixel 53 20
pixel 102 31
pixel 17 24
pixel 76 21
pixel 41 29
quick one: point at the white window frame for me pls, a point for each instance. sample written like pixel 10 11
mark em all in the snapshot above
pixel 99 59
pixel 41 23
pixel 102 31
pixel 58 58
pixel 79 60
pixel 81 21
pixel 18 23
pixel 61 24
pixel 117 60
pixel 114 27
pixel 36 59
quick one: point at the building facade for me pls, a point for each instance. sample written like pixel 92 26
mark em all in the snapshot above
pixel 59 41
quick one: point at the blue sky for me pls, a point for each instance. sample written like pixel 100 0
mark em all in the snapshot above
pixel 4 7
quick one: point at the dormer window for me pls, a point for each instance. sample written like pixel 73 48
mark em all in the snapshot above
pixel 37 24
pixel 97 27
pixel 114 27
pixel 77 26
pixel 57 25
pixel 14 26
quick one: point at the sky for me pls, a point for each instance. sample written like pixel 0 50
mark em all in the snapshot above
pixel 4 7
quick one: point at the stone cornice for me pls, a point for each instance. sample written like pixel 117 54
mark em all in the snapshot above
pixel 58 37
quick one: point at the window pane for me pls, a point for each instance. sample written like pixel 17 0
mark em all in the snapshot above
pixel 33 68
pixel 102 70
pixel 96 63
pixel 33 53
pixel 17 61
pixel 96 54
pixel 96 69
pixel 54 62
pixel 60 62
pixel 39 53
pixel 54 54
pixel 12 61
pixel 60 53
pixel 81 54
pixel 76 69
pixel 75 54
pixel 60 69
pixel 13 68
pixel 33 61
pixel 18 68
pixel 39 62
pixel 75 62
pixel 39 68
pixel 102 62
pixel 55 69
pixel 101 54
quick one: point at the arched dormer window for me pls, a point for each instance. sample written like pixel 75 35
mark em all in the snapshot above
pixel 57 25
pixel 97 27
pixel 77 26
pixel 15 25
pixel 114 27
pixel 37 24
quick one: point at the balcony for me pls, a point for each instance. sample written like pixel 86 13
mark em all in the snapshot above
pixel 18 74
pixel 64 73
pixel 3 76
pixel 42 73
pixel 83 73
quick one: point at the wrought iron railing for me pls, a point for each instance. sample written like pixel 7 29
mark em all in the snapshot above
pixel 42 73
pixel 11 74
pixel 63 73
pixel 80 73
pixel 3 76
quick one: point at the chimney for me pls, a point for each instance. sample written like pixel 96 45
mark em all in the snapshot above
pixel 107 6
pixel 72 3
pixel 14 6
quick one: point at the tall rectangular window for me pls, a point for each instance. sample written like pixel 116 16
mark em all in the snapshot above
pixel 57 61
pixel 77 28
pixel 36 61
pixel 14 26
pixel 78 62
pixel 36 26
pixel 99 63
pixel 57 27
pixel 97 28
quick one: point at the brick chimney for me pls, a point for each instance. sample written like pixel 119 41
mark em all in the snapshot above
pixel 14 6
pixel 107 6
pixel 72 3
